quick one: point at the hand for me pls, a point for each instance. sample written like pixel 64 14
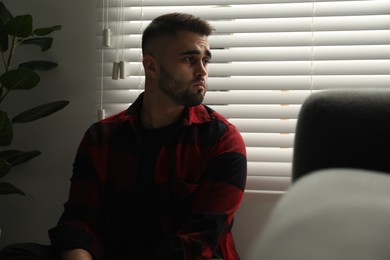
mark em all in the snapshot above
pixel 76 254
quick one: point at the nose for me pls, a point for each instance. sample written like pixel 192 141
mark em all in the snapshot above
pixel 201 69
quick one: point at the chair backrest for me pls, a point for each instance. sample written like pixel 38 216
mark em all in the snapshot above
pixel 346 128
pixel 337 214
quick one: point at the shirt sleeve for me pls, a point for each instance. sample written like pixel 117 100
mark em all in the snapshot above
pixel 206 231
pixel 82 220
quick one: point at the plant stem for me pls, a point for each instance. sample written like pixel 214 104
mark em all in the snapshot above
pixel 4 95
pixel 11 53
pixel 5 63
pixel 8 64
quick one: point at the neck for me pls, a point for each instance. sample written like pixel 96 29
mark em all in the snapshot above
pixel 157 113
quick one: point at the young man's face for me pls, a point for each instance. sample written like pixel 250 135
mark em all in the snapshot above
pixel 183 68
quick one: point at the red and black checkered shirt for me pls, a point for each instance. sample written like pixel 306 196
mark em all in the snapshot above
pixel 168 193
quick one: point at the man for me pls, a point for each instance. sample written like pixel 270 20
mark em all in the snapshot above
pixel 163 179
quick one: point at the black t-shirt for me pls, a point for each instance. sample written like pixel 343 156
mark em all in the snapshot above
pixel 143 233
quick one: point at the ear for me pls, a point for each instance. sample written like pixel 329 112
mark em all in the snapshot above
pixel 150 66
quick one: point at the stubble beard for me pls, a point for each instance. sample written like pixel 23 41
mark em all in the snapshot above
pixel 174 89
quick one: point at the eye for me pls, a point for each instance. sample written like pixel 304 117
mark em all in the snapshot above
pixel 206 61
pixel 189 59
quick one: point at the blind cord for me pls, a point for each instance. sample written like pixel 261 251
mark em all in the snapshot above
pixel 122 72
pixel 106 43
pixel 106 29
pixel 119 67
pixel 141 29
pixel 312 47
pixel 116 64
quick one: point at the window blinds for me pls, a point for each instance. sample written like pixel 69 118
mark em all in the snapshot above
pixel 268 56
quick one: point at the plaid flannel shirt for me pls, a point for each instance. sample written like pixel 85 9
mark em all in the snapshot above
pixel 199 180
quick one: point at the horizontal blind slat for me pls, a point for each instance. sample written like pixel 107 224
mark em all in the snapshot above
pixel 196 3
pixel 256 97
pixel 279 169
pixel 230 97
pixel 258 10
pixel 264 125
pixel 288 53
pixel 289 24
pixel 268 183
pixel 269 154
pixel 292 82
pixel 258 111
pixel 277 39
pixel 283 68
pixel 268 140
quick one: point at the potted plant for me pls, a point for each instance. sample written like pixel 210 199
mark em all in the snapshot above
pixel 16 32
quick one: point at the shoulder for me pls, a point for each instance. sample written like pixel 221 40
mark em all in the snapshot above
pixel 101 131
pixel 216 128
pixel 230 137
pixel 220 121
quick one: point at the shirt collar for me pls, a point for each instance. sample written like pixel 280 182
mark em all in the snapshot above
pixel 193 115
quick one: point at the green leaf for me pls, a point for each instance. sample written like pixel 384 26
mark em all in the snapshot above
pixel 44 42
pixel 39 111
pixel 19 79
pixel 5 15
pixel 3 39
pixel 20 26
pixel 16 157
pixel 5 167
pixel 6 131
pixel 8 188
pixel 38 65
pixel 47 30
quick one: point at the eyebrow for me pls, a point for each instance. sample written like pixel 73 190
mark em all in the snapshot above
pixel 196 52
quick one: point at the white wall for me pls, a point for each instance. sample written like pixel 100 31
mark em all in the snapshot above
pixel 46 177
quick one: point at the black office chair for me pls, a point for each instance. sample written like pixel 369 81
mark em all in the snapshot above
pixel 347 128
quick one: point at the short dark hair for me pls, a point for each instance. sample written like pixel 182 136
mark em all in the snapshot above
pixel 170 24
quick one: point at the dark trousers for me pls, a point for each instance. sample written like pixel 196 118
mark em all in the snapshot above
pixel 28 251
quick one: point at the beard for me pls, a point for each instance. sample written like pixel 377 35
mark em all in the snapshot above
pixel 177 90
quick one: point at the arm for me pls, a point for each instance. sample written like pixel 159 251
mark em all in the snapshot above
pixel 76 254
pixel 206 227
pixel 217 199
pixel 81 222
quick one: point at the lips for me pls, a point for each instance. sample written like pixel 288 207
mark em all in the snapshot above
pixel 200 84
